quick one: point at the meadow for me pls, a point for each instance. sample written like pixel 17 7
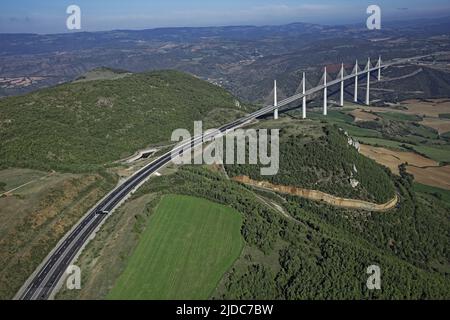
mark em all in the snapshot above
pixel 36 215
pixel 183 253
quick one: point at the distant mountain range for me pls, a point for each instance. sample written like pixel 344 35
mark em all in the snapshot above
pixel 242 59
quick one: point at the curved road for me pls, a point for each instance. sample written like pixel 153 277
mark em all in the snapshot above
pixel 44 281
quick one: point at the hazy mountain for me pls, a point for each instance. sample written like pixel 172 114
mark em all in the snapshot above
pixel 243 59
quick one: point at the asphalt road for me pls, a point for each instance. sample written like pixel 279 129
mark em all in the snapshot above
pixel 44 281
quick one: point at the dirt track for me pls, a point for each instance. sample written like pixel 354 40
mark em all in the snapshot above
pixel 320 196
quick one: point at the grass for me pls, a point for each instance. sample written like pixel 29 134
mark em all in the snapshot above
pixel 339 116
pixel 344 121
pixel 397 116
pixel 439 193
pixel 186 248
pixel 358 131
pixel 373 137
pixel 437 153
pixel 381 142
pixel 36 216
pixel 13 178
pixel 332 116
pixel 440 154
pixel 114 242
pixel 423 131
pixel 102 73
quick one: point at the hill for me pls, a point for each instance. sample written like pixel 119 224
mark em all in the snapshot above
pixel 295 248
pixel 81 126
pixel 320 158
pixel 315 251
pixel 243 59
pixel 188 246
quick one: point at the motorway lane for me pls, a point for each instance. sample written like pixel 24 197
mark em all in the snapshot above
pixel 63 261
pixel 43 283
pixel 59 268
pixel 35 285
pixel 47 278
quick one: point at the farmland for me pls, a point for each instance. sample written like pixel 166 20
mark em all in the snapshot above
pixel 392 159
pixel 361 115
pixel 183 253
pixel 425 171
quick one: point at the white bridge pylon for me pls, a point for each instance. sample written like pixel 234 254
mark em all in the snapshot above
pixel 325 83
pixel 275 100
pixel 356 72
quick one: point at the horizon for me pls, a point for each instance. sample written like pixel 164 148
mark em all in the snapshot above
pixel 47 17
pixel 386 21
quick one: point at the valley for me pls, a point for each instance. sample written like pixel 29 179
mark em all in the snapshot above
pixel 83 115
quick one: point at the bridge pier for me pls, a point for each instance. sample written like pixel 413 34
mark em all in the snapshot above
pixel 342 86
pixel 325 93
pixel 368 83
pixel 275 100
pixel 356 82
pixel 304 97
pixel 379 68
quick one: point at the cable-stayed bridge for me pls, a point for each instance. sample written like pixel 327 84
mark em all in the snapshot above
pixel 326 83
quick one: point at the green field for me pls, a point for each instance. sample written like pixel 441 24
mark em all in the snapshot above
pixel 344 121
pixel 398 116
pixel 422 131
pixel 441 194
pixel 438 153
pixel 13 178
pixel 444 115
pixel 183 253
pixel 333 116
pixel 381 142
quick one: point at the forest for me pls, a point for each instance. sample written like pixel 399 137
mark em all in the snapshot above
pixel 323 252
pixel 326 164
pixel 83 126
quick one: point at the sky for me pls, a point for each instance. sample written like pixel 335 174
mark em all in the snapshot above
pixel 49 16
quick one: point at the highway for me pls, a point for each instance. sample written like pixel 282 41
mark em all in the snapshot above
pixel 43 282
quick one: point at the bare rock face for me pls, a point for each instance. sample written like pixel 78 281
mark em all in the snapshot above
pixel 354 183
pixel 354 143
